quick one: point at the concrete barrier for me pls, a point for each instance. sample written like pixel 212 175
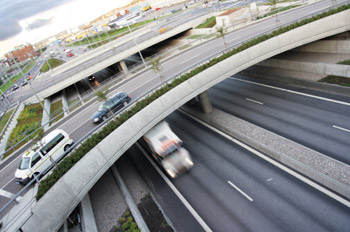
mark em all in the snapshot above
pixel 327 46
pixel 56 205
pixel 308 67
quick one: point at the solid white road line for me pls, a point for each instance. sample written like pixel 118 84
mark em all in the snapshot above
pixel 292 91
pixel 239 190
pixel 194 57
pixel 341 128
pixel 257 102
pixel 273 162
pixel 177 192
pixel 9 195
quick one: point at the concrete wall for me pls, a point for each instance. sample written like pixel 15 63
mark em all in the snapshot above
pixel 317 68
pixel 327 46
pixel 62 198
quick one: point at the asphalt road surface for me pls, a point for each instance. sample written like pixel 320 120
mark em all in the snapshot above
pixel 234 190
pixel 311 122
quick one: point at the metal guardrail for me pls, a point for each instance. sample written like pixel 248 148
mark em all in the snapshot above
pixel 217 54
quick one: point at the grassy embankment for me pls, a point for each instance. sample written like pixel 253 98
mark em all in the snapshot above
pixel 209 23
pixel 53 64
pixel 343 81
pixel 4 119
pixel 28 121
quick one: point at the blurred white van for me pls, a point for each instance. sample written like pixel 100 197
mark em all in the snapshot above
pixel 37 159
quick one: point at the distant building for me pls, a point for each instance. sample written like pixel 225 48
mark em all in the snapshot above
pixel 163 3
pixel 21 53
pixel 227 18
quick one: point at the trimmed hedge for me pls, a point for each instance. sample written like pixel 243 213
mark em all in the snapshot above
pixel 96 138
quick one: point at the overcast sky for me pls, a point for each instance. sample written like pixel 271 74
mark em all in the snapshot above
pixel 32 20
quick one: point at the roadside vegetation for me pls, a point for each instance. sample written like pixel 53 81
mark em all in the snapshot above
pixel 127 223
pixel 209 23
pixel 12 80
pixel 103 38
pixel 343 81
pixel 196 36
pixel 96 138
pixel 53 63
pixel 346 62
pixel 29 121
pixel 277 10
pixel 56 112
pixel 5 118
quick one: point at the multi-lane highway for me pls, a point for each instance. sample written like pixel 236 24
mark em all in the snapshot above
pixel 78 123
pixel 321 125
pixel 232 189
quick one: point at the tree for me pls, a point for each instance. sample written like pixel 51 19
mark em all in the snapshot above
pixel 273 3
pixel 221 33
pixel 156 66
pixel 102 97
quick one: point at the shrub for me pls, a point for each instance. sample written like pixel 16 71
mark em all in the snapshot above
pixel 88 144
pixel 127 214
pixel 125 226
pixel 122 220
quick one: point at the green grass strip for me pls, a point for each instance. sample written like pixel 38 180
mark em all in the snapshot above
pixel 5 118
pixel 346 62
pixel 53 63
pixel 343 81
pixel 209 23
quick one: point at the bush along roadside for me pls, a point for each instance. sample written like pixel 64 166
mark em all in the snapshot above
pixel 127 224
pixel 96 138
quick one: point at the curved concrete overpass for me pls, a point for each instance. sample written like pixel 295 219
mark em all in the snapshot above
pixel 56 205
pixel 104 56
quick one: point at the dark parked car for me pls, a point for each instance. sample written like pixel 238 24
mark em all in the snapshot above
pixel 114 103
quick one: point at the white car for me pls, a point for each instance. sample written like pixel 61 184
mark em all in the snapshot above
pixel 36 160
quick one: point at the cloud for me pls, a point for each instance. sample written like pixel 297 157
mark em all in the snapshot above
pixel 38 23
pixel 9 28
pixel 12 11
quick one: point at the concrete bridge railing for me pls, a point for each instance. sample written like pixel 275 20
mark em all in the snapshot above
pixel 56 205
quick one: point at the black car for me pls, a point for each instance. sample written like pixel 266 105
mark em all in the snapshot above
pixel 114 103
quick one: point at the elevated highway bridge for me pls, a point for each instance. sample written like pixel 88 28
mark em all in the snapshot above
pixel 74 185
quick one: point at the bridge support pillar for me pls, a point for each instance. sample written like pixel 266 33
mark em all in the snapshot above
pixel 205 102
pixel 65 103
pixel 46 114
pixel 76 88
pixel 122 67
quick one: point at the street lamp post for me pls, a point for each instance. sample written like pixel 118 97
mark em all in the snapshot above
pixel 143 61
